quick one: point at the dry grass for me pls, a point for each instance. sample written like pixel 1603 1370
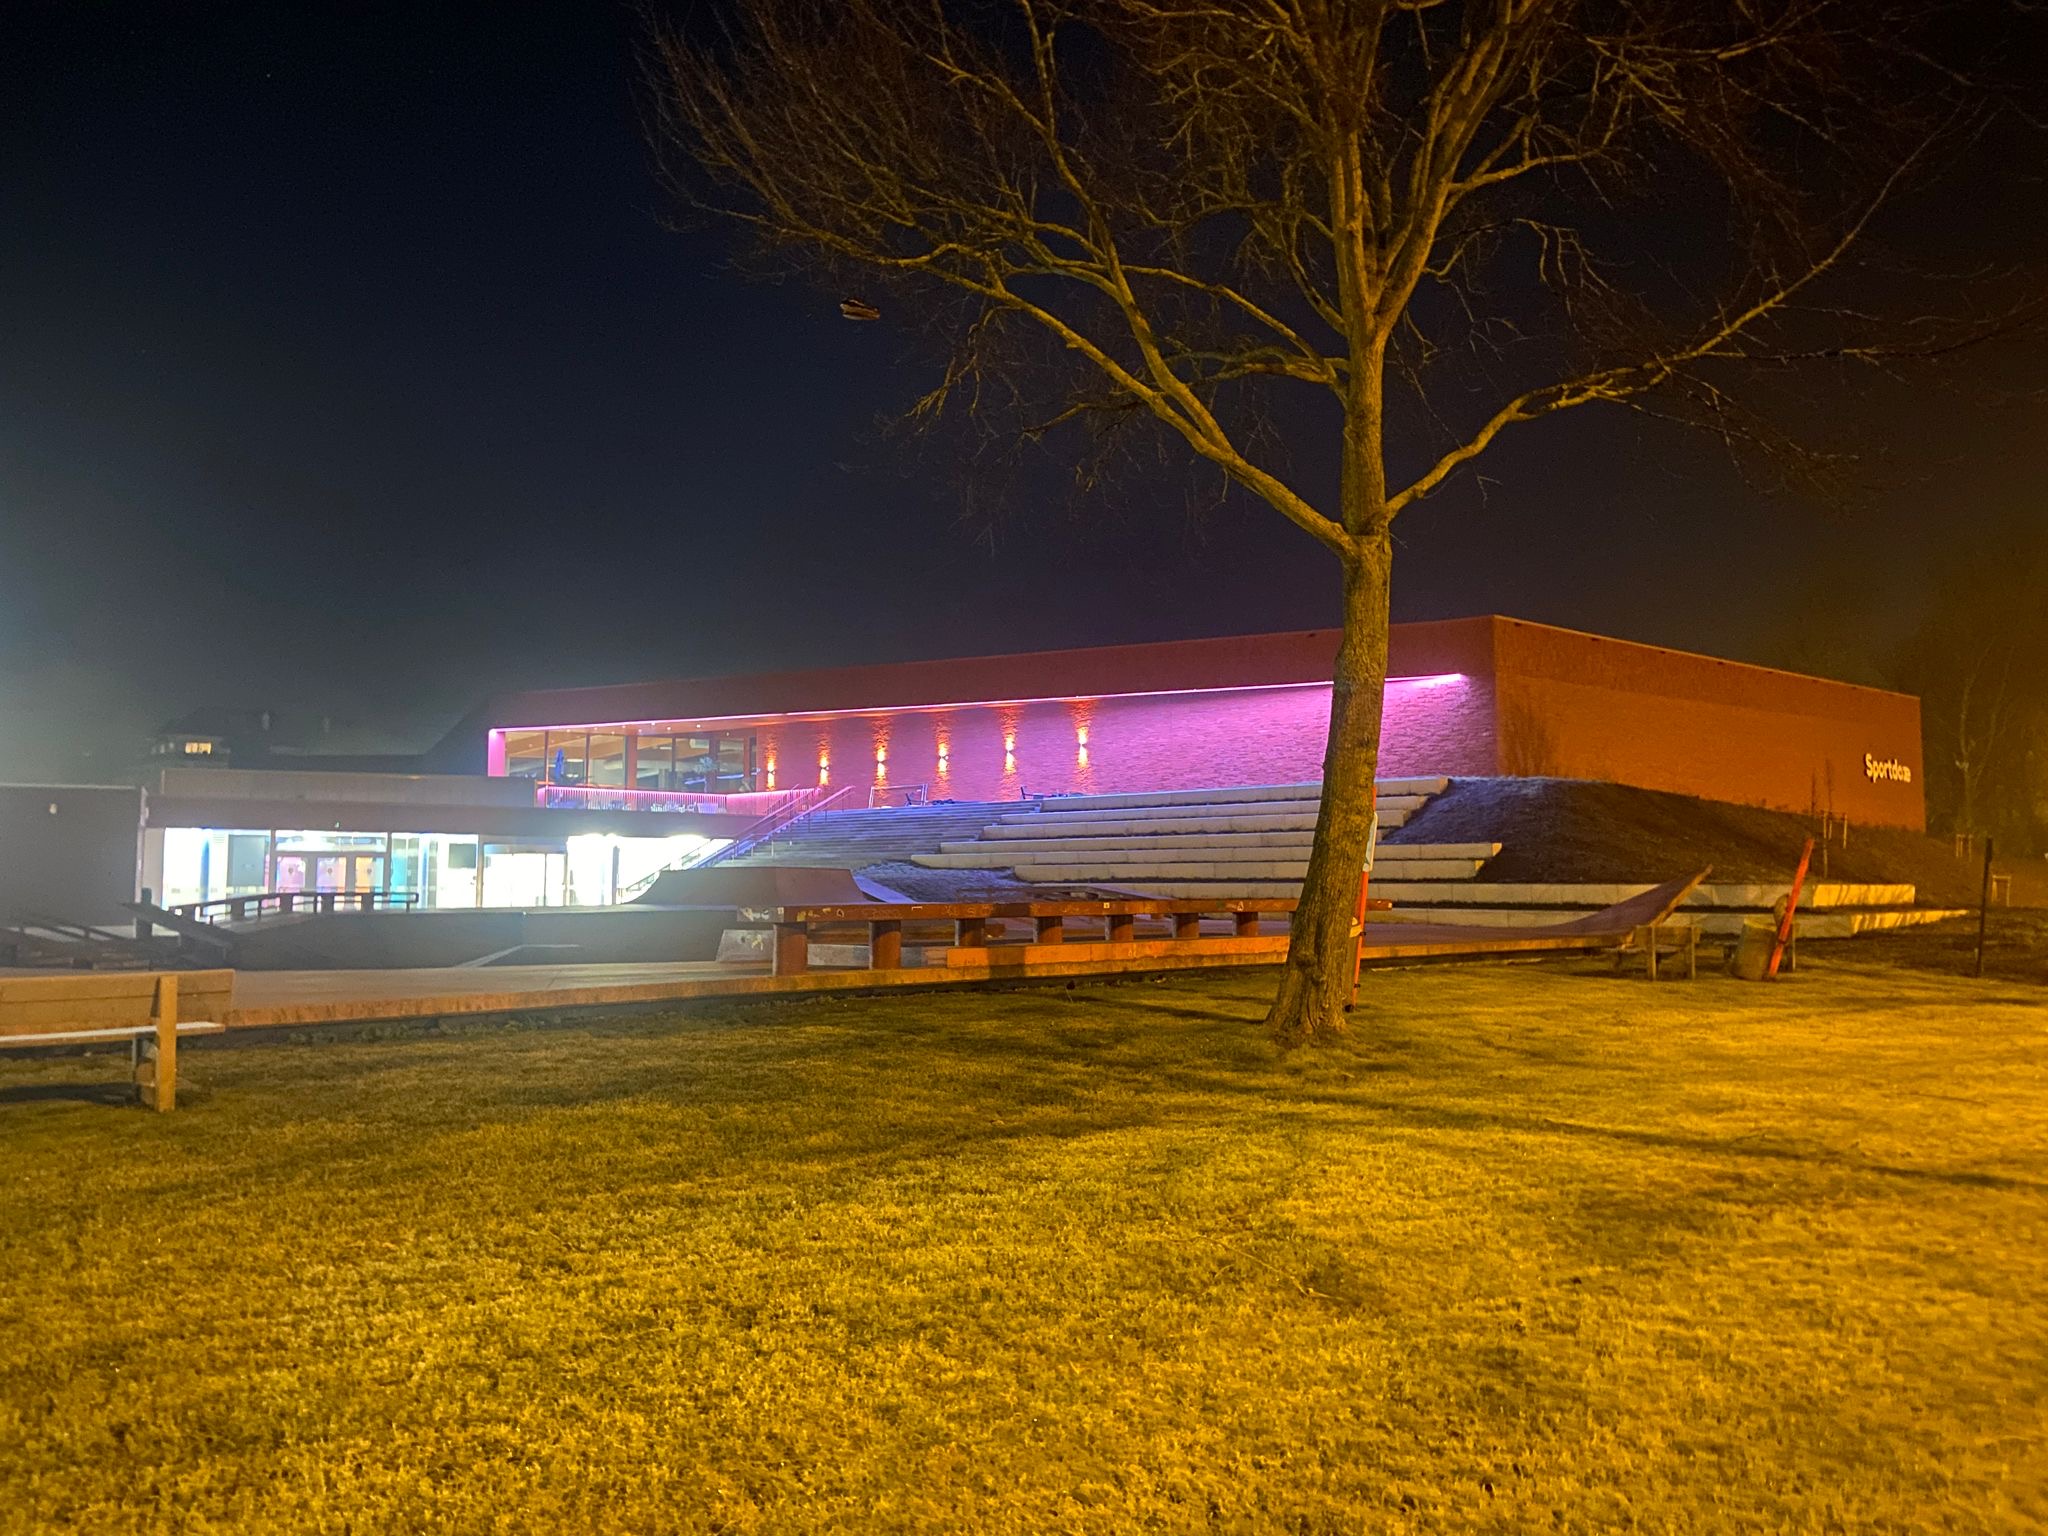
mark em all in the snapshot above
pixel 1543 1249
pixel 1571 829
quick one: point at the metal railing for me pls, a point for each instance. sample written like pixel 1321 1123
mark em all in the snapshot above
pixel 607 797
pixel 241 909
pixel 810 802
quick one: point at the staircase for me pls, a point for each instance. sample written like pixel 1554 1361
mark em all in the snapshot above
pixel 1244 841
pixel 856 839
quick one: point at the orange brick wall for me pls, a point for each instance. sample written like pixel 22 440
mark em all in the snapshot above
pixel 1582 706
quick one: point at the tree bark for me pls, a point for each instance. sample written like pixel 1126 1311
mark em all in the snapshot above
pixel 1316 984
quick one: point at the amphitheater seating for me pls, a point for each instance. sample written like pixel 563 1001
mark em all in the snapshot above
pixel 1245 841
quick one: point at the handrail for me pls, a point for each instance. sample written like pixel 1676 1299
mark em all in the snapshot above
pixel 777 821
pixel 620 797
pixel 612 797
pixel 236 909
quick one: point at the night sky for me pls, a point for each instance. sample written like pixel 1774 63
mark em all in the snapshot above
pixel 347 366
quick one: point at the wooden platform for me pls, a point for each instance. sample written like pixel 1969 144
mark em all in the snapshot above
pixel 275 998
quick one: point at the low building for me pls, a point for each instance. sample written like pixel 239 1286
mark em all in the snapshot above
pixel 447 840
pixel 68 852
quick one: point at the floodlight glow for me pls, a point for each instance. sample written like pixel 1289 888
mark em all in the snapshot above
pixel 1425 680
pixel 1434 680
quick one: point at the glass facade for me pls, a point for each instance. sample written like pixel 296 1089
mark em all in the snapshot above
pixel 442 870
pixel 708 763
pixel 201 863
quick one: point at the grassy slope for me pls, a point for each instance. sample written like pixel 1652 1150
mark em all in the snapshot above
pixel 1569 829
pixel 2015 946
pixel 1542 1249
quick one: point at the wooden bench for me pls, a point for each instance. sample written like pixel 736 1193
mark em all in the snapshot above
pixel 146 1009
pixel 1653 941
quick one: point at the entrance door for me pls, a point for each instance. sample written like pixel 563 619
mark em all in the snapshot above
pixel 337 871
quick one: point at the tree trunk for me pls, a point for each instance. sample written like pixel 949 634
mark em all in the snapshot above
pixel 1315 987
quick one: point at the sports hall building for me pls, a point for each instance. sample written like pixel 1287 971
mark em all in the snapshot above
pixel 579 797
pixel 1481 696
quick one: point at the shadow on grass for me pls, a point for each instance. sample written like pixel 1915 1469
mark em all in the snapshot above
pixel 78 1093
pixel 891 1086
pixel 1193 1086
pixel 1442 1117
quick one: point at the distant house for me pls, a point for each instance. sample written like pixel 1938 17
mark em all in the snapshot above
pixel 216 737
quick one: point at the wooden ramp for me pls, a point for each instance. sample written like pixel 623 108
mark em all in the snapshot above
pixel 907 945
pixel 912 945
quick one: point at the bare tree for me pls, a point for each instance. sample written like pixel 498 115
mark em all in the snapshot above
pixel 1441 219
pixel 1979 661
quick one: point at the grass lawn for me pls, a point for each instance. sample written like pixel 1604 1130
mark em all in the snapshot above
pixel 1542 1249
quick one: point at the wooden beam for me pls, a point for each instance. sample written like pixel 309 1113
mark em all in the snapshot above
pixel 165 1083
pixel 1123 927
pixel 792 948
pixel 1052 929
pixel 1187 926
pixel 885 945
pixel 1245 924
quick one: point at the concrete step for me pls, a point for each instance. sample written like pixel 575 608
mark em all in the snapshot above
pixel 999 846
pixel 1414 862
pixel 1138 867
pixel 1264 822
pixel 1591 898
pixel 1051 827
pixel 989 851
pixel 856 838
pixel 1241 793
pixel 1284 890
pixel 1388 805
pixel 1838 924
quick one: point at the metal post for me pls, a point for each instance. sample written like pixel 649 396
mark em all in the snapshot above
pixel 1983 908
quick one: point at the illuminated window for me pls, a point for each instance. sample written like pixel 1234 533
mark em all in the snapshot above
pixel 608 759
pixel 526 754
pixel 654 763
pixel 568 759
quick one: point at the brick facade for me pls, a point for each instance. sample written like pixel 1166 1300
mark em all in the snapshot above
pixel 1468 697
pixel 1581 706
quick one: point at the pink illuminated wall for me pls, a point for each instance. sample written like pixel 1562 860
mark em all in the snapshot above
pixel 1002 752
pixel 1180 740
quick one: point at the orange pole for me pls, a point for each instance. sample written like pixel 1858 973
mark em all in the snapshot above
pixel 1791 908
pixel 1364 905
